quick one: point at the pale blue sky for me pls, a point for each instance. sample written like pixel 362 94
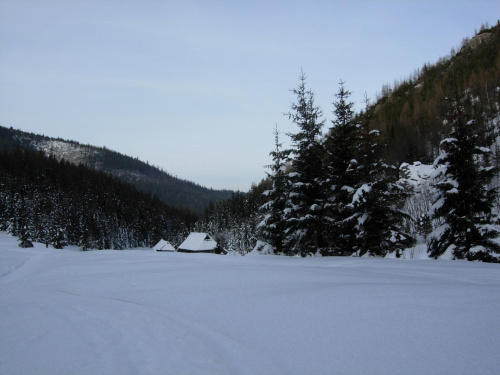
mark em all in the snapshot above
pixel 196 87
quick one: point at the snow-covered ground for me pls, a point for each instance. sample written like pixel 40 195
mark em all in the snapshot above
pixel 144 312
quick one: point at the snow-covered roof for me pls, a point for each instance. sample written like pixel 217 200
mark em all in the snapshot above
pixel 163 245
pixel 198 242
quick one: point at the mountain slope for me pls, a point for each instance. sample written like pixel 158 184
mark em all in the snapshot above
pixel 173 191
pixel 411 114
pixel 60 203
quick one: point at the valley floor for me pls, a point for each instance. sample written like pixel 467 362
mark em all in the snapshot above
pixel 142 312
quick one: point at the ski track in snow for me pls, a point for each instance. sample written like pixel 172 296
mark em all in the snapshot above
pixel 143 312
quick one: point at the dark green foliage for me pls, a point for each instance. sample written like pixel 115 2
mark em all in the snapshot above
pixel 273 227
pixel 57 237
pixel 304 213
pixel 379 229
pixel 64 204
pixel 464 203
pixel 377 199
pixel 424 225
pixel 24 237
pixel 341 165
pixel 340 197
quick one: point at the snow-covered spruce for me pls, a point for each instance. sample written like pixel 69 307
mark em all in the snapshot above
pixel 305 207
pixel 464 202
pixel 272 228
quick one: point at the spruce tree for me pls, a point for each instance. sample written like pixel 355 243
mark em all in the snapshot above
pixel 57 233
pixel 377 199
pixel 23 219
pixel 84 240
pixel 463 203
pixel 272 228
pixel 304 212
pixel 340 147
pixel 25 237
pixel 57 238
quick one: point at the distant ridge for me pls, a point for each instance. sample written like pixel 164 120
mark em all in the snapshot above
pixel 172 190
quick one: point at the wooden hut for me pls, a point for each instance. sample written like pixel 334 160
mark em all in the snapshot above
pixel 163 245
pixel 200 243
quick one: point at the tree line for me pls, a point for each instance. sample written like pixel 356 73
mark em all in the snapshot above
pixel 58 203
pixel 338 195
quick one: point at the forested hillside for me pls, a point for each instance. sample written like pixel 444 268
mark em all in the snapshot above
pixel 410 114
pixel 59 203
pixel 172 190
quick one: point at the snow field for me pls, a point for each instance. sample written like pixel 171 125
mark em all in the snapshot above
pixel 143 312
